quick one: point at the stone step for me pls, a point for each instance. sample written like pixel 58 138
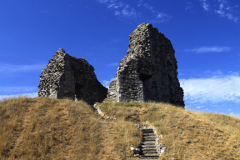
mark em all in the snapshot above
pixel 149 152
pixel 148 146
pixel 148 142
pixel 155 154
pixel 150 137
pixel 154 137
pixel 150 157
pixel 149 134
pixel 149 149
pixel 147 130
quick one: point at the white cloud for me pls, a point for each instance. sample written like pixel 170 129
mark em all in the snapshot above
pixel 205 5
pixel 198 107
pixel 189 6
pixel 21 68
pixel 129 12
pixel 132 12
pixel 120 8
pixel 115 5
pixel 12 90
pixel 140 3
pixel 106 83
pixel 222 8
pixel 230 16
pixel 235 115
pixel 209 49
pixel 159 16
pixel 147 6
pixel 117 13
pixel 112 5
pixel 215 89
pixel 163 16
pixel 29 95
pixel 102 1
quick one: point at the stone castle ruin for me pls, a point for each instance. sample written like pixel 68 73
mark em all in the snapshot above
pixel 70 77
pixel 147 73
pixel 149 70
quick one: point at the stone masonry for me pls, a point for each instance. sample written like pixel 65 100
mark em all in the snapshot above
pixel 70 77
pixel 149 70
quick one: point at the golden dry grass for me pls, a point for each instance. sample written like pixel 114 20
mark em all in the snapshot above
pixel 43 128
pixel 186 134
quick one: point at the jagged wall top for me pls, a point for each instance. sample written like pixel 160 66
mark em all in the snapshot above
pixel 66 76
pixel 149 70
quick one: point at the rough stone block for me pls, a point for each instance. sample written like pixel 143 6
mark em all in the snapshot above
pixel 149 70
pixel 68 77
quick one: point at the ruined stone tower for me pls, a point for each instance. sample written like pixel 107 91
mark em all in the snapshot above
pixel 74 78
pixel 149 70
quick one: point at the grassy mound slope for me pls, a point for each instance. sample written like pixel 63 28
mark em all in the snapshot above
pixel 186 134
pixel 43 128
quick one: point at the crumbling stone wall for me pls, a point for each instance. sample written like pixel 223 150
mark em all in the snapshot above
pixel 74 78
pixel 149 70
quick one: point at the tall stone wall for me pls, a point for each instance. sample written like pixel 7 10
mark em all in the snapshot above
pixel 74 78
pixel 149 70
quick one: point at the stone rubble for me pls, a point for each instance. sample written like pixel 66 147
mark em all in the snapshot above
pixel 68 77
pixel 149 70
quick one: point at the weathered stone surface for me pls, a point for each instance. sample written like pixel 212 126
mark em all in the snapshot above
pixel 74 78
pixel 149 70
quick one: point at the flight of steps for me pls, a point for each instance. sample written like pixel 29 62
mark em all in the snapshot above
pixel 148 147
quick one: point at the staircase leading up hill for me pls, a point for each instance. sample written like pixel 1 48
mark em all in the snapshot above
pixel 148 147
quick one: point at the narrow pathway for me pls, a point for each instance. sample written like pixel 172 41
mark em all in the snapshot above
pixel 149 148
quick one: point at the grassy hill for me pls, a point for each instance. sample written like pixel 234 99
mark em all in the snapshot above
pixel 43 128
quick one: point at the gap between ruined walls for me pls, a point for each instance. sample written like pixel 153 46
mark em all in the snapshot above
pixel 147 73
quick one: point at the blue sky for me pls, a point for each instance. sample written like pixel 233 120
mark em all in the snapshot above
pixel 205 35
